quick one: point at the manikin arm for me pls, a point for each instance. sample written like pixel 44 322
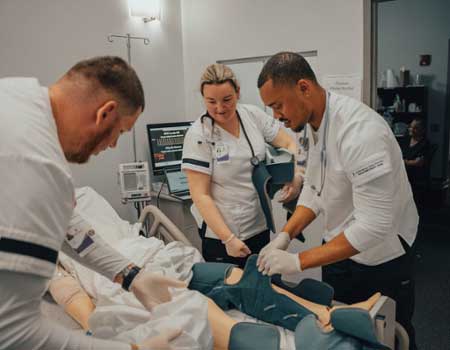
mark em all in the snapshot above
pixel 24 326
pixel 68 293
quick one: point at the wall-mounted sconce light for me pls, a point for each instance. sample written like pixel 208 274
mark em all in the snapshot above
pixel 148 10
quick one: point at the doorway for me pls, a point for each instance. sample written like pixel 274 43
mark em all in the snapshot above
pixel 397 33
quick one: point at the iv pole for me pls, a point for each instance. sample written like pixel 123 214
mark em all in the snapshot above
pixel 129 38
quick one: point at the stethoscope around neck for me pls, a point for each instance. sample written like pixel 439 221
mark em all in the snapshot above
pixel 254 161
pixel 323 151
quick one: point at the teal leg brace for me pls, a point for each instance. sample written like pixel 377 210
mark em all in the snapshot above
pixel 254 336
pixel 253 294
pixel 353 330
pixel 310 336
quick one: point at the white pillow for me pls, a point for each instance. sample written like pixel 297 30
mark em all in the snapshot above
pixel 103 218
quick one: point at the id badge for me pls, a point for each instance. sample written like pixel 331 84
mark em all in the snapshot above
pixel 80 236
pixel 222 153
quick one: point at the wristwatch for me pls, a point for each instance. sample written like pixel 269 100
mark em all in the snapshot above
pixel 129 273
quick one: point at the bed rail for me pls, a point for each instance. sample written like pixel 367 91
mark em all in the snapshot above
pixel 158 224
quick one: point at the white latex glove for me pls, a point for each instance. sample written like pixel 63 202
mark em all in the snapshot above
pixel 291 190
pixel 161 341
pixel 280 262
pixel 281 241
pixel 236 248
pixel 152 289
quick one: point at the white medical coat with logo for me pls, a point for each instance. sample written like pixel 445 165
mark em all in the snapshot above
pixel 366 193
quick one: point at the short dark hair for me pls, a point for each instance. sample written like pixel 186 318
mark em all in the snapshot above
pixel 114 75
pixel 286 68
pixel 420 122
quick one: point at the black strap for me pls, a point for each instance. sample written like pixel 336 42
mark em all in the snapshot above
pixel 245 134
pixel 130 277
pixel 202 231
pixel 33 250
pixel 195 162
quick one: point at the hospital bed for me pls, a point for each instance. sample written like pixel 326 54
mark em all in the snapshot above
pixel 154 223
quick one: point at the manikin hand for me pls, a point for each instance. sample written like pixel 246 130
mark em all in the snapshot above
pixel 160 342
pixel 291 190
pixel 152 289
pixel 236 248
pixel 281 241
pixel 280 262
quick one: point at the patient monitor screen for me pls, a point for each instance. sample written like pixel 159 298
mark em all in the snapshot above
pixel 166 145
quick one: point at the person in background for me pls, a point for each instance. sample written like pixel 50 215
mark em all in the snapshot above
pixel 218 154
pixel 416 152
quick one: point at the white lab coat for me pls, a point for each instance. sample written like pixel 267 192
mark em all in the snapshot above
pixel 231 179
pixel 36 204
pixel 366 193
pixel 37 191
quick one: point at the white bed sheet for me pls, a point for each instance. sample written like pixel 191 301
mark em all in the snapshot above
pixel 119 315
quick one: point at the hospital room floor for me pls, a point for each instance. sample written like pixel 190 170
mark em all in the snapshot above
pixel 432 312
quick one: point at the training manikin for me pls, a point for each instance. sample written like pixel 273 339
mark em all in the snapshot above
pixel 305 318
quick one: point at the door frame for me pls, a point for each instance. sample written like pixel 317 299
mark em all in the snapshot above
pixel 370 51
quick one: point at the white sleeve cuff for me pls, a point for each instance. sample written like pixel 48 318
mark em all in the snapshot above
pixel 198 168
pixel 308 200
pixel 273 132
pixel 360 238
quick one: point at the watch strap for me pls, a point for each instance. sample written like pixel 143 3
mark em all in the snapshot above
pixel 129 277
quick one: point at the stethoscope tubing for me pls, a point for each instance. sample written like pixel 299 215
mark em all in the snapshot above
pixel 323 151
pixel 254 161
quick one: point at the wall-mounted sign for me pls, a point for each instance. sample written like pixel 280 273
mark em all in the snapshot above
pixel 349 85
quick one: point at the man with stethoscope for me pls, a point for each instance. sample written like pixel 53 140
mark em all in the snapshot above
pixel 356 178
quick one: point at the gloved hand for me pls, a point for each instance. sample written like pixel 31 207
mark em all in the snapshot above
pixel 281 241
pixel 280 261
pixel 291 190
pixel 161 341
pixel 236 248
pixel 152 289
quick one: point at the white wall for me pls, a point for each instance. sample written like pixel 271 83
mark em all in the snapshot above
pixel 44 38
pixel 230 29
pixel 407 29
pixel 227 29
